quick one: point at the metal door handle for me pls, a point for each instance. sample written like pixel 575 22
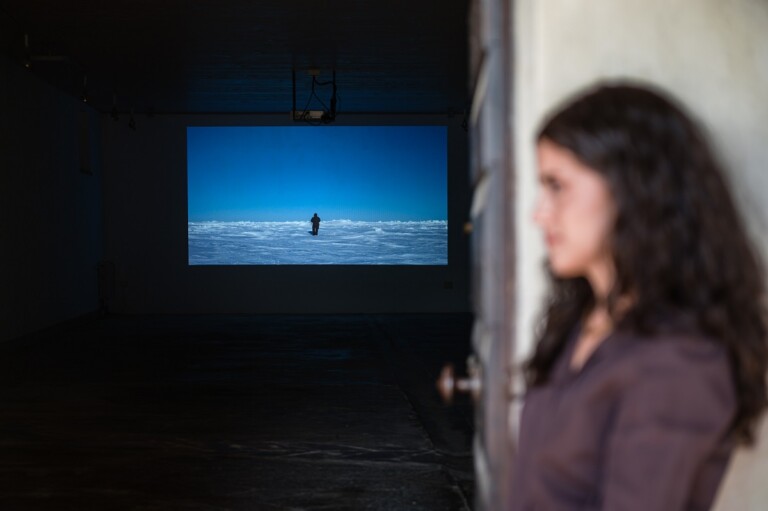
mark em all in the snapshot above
pixel 448 384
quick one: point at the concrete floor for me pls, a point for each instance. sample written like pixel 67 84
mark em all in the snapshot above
pixel 235 413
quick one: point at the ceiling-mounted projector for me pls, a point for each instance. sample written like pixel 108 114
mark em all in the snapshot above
pixel 325 116
pixel 308 115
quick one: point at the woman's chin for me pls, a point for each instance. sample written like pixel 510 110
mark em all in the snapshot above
pixel 563 271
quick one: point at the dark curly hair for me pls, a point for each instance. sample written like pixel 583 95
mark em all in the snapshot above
pixel 679 245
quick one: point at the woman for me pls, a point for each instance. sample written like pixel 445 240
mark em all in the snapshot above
pixel 651 361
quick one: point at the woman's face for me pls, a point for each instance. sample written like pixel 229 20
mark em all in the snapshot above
pixel 575 211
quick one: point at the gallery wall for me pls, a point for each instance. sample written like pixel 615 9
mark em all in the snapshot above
pixel 50 204
pixel 145 197
pixel 78 189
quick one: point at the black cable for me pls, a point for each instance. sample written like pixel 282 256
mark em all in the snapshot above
pixel 329 114
pixel 314 81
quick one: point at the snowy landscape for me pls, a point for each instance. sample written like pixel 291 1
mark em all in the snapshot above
pixel 338 242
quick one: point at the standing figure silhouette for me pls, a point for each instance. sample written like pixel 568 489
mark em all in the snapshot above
pixel 315 224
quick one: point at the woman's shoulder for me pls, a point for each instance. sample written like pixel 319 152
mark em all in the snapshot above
pixel 675 351
pixel 683 370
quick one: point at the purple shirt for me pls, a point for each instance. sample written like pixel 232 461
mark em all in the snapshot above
pixel 642 426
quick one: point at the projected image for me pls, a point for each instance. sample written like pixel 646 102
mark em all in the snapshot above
pixel 370 195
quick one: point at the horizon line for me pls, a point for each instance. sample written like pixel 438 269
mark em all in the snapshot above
pixel 331 220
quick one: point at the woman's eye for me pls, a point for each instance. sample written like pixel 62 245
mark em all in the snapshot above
pixel 553 185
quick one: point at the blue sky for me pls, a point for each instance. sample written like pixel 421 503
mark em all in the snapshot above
pixel 285 173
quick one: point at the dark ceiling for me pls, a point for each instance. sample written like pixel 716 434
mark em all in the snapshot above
pixel 238 56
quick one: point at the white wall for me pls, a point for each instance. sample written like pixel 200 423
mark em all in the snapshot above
pixel 50 212
pixel 145 187
pixel 711 54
